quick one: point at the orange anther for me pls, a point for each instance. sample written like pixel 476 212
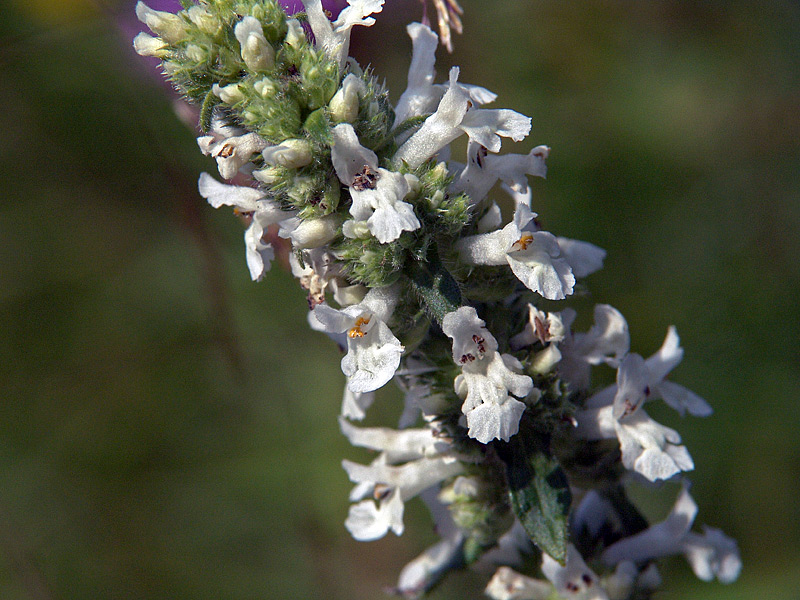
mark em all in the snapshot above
pixel 523 242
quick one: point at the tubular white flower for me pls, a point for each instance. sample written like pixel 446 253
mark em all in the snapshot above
pixel 397 446
pixel 334 38
pixel 483 170
pixel 367 521
pixel 355 405
pixel 650 375
pixel 534 257
pixel 647 447
pixel 710 555
pixel 420 97
pixel 317 271
pixel 377 194
pixel 487 379
pixel 295 36
pixel 391 486
pixel 249 202
pixel 455 115
pixel 424 571
pixel 229 94
pixel 541 327
pixel 608 341
pixel 231 153
pixel 373 353
pixel 257 53
pixel 204 20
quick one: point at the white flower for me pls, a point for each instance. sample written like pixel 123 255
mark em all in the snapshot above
pixel 391 486
pixel 710 555
pixel 647 447
pixel 257 53
pixel 507 584
pixel 316 272
pixel 534 256
pixel 487 379
pixel 254 204
pixel 334 38
pixel 377 194
pixel 607 342
pixel 541 327
pixel 420 96
pixel 398 446
pixel 645 380
pixel 231 153
pixel 169 27
pixel 574 580
pixel 373 353
pixel 483 170
pixel 455 115
pixel 424 571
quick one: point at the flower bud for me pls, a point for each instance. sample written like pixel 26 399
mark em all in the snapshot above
pixel 355 229
pixel 345 103
pixel 269 175
pixel 295 36
pixel 257 53
pixel 292 154
pixel 205 21
pixel 147 45
pixel 265 88
pixel 230 94
pixel 196 53
pixel 309 233
pixel 169 27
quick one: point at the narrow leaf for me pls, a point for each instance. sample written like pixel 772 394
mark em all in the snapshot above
pixel 539 493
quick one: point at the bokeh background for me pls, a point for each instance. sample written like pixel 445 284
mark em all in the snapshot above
pixel 168 428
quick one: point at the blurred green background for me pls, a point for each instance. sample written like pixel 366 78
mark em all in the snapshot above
pixel 168 428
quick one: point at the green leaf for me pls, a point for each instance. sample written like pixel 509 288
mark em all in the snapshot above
pixel 436 289
pixel 539 492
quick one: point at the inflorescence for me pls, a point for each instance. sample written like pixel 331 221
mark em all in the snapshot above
pixel 411 269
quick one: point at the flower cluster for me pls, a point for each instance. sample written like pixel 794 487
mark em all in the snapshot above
pixel 413 271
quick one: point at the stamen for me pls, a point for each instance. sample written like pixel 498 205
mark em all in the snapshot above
pixel 542 329
pixel 366 179
pixel 523 242
pixel 465 358
pixel 226 151
pixel 356 331
pixel 479 342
